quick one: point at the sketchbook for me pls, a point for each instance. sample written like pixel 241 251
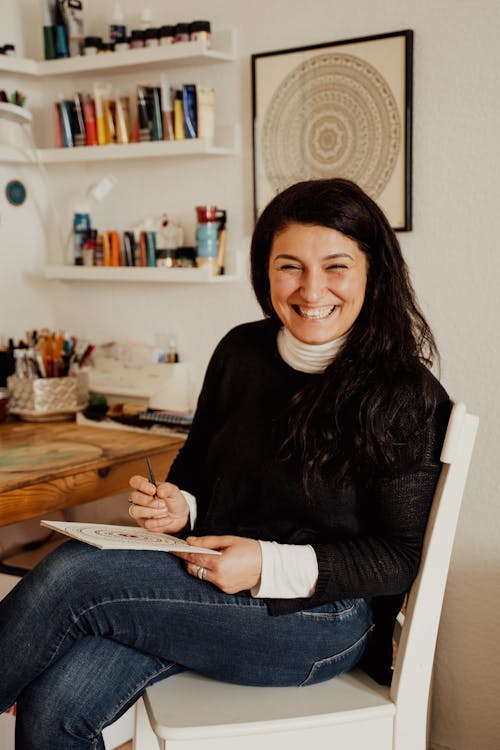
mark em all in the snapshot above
pixel 109 536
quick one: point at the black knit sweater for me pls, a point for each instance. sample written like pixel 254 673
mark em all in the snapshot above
pixel 367 536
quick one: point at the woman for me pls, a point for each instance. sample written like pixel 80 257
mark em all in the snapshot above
pixel 310 467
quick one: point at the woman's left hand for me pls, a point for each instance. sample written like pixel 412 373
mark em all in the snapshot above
pixel 237 568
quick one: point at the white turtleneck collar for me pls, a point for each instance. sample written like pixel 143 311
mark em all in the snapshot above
pixel 310 358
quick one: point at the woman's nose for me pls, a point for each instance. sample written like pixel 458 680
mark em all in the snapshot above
pixel 313 286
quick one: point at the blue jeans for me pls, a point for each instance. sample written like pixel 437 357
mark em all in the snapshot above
pixel 86 631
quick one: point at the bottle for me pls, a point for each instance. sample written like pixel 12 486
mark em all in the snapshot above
pixel 182 32
pixel 199 30
pixel 89 248
pixel 167 35
pixel 152 37
pixel 81 228
pixel 117 28
pixel 92 45
pixel 146 20
pixel 136 38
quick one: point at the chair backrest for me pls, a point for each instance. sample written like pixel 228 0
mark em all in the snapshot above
pixel 415 657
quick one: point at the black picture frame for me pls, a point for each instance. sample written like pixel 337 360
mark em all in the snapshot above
pixel 337 109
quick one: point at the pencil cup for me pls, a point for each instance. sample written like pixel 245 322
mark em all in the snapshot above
pixel 47 399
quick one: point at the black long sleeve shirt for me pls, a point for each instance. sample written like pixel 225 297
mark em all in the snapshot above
pixel 367 536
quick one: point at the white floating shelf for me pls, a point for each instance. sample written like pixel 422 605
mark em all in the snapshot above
pixel 136 274
pixel 19 65
pixel 222 49
pixel 150 149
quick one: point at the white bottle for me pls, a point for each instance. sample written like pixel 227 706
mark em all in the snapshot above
pixel 117 28
pixel 146 21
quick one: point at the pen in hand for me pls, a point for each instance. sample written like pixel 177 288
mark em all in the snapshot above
pixel 151 476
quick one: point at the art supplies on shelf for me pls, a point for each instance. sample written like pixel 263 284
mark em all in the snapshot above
pixel 160 113
pixel 155 242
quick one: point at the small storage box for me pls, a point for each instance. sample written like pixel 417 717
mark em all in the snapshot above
pixel 48 398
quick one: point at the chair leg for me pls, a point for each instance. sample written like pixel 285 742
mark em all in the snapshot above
pixel 144 737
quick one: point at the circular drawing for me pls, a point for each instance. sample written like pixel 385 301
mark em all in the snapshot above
pixel 334 115
pixel 125 535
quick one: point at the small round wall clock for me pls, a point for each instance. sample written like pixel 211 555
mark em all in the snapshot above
pixel 15 192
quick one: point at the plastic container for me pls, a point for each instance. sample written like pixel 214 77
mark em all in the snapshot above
pixel 92 45
pixel 152 37
pixel 136 38
pixel 182 33
pixel 81 228
pixel 167 35
pixel 199 30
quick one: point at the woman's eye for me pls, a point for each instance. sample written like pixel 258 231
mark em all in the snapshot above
pixel 289 267
pixel 336 267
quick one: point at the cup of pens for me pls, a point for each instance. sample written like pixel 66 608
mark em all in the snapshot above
pixel 45 386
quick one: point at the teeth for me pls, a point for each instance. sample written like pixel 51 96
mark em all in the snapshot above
pixel 314 313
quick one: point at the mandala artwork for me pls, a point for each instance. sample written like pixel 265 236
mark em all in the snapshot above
pixel 333 115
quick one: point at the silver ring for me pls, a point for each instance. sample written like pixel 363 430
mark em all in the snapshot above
pixel 130 499
pixel 130 511
pixel 201 573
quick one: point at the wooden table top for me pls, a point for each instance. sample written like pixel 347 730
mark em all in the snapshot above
pixel 47 466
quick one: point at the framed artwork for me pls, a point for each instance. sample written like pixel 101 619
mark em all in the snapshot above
pixel 340 109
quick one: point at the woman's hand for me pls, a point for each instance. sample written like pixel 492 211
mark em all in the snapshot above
pixel 237 568
pixel 162 508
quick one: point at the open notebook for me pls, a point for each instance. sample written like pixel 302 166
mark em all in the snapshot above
pixel 109 536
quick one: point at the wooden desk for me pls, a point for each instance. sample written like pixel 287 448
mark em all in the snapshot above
pixel 51 466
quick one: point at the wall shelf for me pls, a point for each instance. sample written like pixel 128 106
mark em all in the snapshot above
pixel 225 144
pixel 136 274
pixel 221 49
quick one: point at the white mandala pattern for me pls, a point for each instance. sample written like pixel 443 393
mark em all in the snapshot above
pixel 333 115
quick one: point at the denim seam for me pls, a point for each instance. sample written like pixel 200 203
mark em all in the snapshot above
pixel 328 615
pixel 335 657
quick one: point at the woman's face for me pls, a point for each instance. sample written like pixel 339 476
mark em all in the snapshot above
pixel 317 279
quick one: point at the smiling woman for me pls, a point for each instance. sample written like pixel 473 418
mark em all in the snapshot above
pixel 310 467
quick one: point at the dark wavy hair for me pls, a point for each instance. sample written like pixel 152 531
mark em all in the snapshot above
pixel 363 411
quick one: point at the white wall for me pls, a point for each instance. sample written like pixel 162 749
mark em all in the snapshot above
pixel 452 252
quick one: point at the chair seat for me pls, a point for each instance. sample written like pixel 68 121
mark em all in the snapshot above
pixel 222 709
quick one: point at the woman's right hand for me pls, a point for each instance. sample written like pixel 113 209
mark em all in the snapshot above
pixel 160 508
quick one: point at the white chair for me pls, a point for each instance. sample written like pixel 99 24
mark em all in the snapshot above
pixel 191 712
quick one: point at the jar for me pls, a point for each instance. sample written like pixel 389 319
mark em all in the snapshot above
pixel 182 32
pixel 92 45
pixel 107 47
pixel 199 30
pixel 167 35
pixel 9 49
pixel 136 38
pixel 152 37
pixel 122 44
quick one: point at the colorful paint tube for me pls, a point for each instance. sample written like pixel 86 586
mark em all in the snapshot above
pixel 179 133
pixel 88 109
pixel 167 110
pixel 142 115
pixel 190 110
pixel 101 94
pixel 122 119
pixel 80 137
pixel 206 112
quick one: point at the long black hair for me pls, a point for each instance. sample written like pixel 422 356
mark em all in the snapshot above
pixel 376 394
